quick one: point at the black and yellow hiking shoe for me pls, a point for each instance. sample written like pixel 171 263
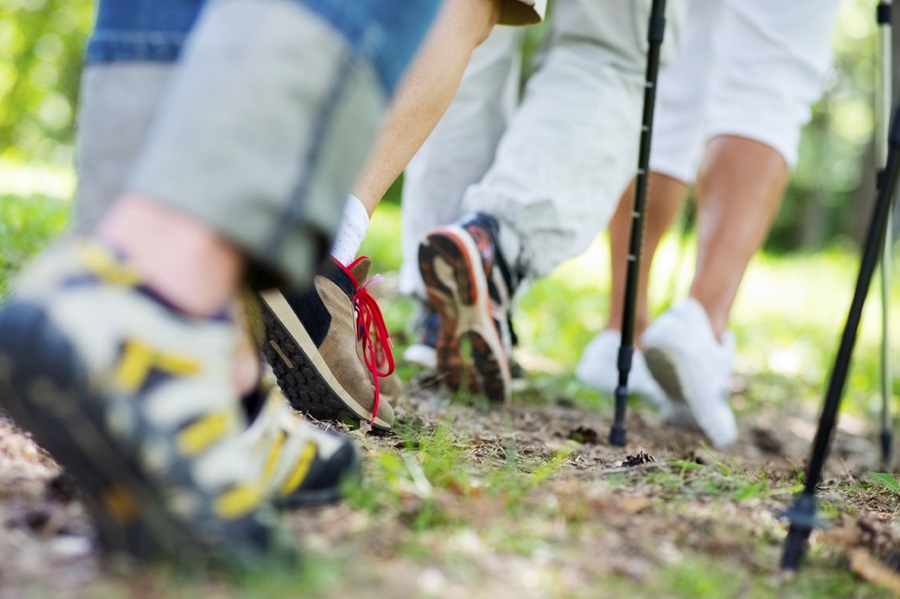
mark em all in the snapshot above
pixel 135 400
pixel 329 347
pixel 299 465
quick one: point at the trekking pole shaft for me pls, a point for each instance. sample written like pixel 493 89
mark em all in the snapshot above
pixel 802 514
pixel 882 115
pixel 870 257
pixel 884 85
pixel 617 435
pixel 887 392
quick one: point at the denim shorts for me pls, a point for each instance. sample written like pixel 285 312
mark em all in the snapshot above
pixel 385 33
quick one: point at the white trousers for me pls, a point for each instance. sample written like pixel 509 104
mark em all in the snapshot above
pixel 551 169
pixel 750 68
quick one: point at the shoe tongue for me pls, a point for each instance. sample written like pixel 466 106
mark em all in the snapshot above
pixel 360 270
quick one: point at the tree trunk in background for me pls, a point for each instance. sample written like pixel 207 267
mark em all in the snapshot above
pixel 808 221
pixel 814 223
pixel 863 198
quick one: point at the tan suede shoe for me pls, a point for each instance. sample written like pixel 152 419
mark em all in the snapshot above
pixel 312 343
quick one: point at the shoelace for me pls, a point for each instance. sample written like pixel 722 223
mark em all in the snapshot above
pixel 376 341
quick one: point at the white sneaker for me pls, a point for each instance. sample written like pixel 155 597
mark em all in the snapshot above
pixel 598 368
pixel 693 367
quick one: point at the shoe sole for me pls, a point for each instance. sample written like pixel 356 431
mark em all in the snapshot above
pixel 663 369
pixel 664 372
pixel 306 380
pixel 456 284
pixel 45 389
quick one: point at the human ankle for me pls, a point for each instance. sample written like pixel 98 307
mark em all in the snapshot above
pixel 717 322
pixel 180 258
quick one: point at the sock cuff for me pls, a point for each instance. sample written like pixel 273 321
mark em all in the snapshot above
pixel 354 224
pixel 355 212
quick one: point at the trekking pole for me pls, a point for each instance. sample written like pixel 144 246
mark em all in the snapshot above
pixel 802 515
pixel 656 29
pixel 882 115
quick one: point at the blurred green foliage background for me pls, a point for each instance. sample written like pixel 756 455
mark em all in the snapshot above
pixel 41 45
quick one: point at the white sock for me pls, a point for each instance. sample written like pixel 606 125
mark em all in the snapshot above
pixel 353 229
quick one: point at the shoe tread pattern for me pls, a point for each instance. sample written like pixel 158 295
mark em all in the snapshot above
pixel 305 388
pixel 483 373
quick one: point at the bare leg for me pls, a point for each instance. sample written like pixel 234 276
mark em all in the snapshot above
pixel 664 196
pixel 739 188
pixel 195 268
pixel 426 92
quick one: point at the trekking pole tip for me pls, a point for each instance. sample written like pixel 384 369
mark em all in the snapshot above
pixel 803 520
pixel 617 436
pixel 794 550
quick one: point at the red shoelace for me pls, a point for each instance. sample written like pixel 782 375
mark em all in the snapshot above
pixel 376 342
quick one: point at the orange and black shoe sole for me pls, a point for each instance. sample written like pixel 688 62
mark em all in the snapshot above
pixel 456 284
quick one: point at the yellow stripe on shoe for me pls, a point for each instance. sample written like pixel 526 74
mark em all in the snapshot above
pixel 302 469
pixel 140 359
pixel 274 454
pixel 239 501
pixel 199 435
pixel 104 264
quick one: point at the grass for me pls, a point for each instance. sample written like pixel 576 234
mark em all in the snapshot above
pixel 26 225
pixel 886 480
pixel 465 500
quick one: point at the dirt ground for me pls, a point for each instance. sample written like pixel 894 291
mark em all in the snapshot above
pixel 652 518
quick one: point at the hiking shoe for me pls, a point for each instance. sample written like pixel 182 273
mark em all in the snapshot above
pixel 300 465
pixel 598 368
pixel 135 400
pixel 470 286
pixel 325 346
pixel 692 367
pixel 426 328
